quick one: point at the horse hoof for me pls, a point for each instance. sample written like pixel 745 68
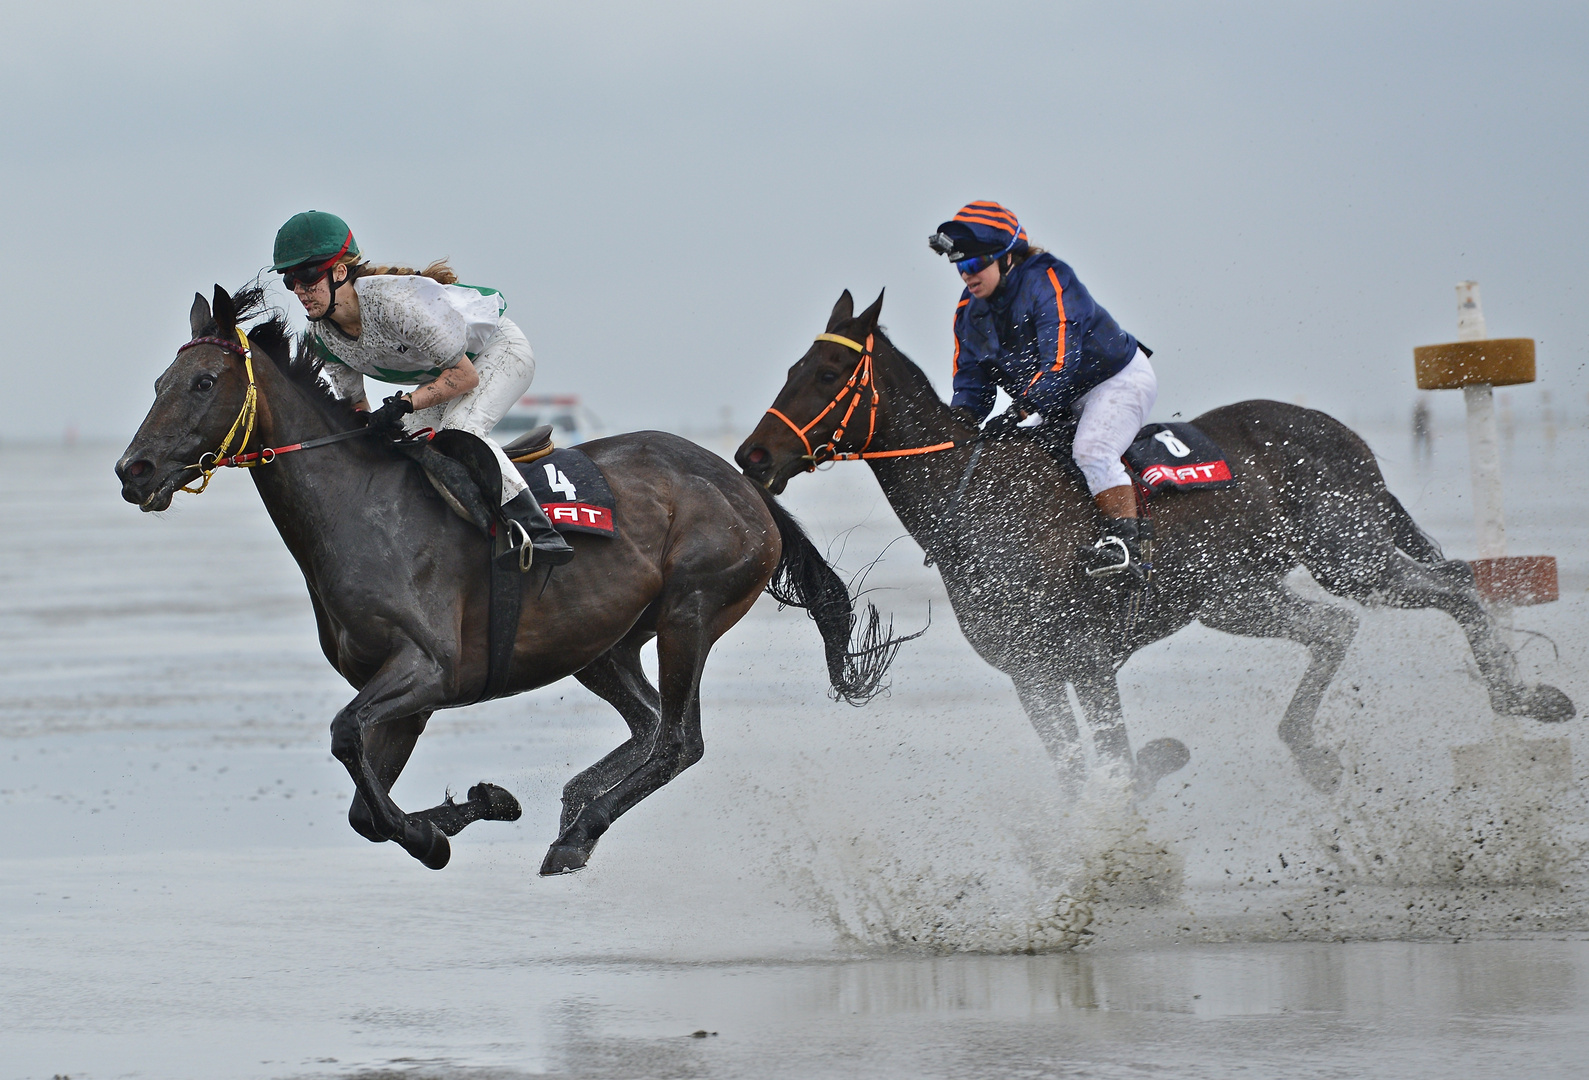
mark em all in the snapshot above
pixel 561 859
pixel 432 850
pixel 1547 705
pixel 500 805
pixel 1321 768
pixel 1159 759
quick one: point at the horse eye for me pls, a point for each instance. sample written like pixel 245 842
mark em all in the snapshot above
pixel 828 377
pixel 204 382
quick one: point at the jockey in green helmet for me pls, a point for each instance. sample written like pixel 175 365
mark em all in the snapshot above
pixel 466 361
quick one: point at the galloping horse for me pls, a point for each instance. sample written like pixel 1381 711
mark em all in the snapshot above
pixel 400 584
pixel 1003 521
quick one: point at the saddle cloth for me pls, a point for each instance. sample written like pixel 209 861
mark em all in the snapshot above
pixel 1177 457
pixel 572 491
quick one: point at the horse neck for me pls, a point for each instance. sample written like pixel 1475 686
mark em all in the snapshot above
pixel 923 488
pixel 910 415
pixel 312 490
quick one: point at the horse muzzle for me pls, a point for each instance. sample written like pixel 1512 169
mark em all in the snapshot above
pixel 145 484
pixel 761 466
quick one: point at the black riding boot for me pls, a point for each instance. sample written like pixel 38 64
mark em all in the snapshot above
pixel 531 538
pixel 1119 550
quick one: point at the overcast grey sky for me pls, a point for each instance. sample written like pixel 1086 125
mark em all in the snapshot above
pixel 1277 197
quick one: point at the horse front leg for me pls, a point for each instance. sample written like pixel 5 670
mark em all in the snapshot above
pixel 1099 694
pixel 400 691
pixel 1098 690
pixel 1044 696
pixel 388 746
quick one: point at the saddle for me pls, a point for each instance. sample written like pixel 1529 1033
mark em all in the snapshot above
pixel 571 490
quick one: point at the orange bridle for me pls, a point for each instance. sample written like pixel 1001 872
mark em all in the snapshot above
pixel 862 383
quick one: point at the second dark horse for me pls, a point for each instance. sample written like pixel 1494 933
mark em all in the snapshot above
pixel 400 585
pixel 1004 535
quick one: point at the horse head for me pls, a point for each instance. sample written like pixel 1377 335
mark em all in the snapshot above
pixel 826 406
pixel 198 401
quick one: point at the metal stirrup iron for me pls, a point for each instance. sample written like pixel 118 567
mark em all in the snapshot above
pixel 526 549
pixel 1125 557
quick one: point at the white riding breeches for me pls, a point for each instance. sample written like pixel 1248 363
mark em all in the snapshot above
pixel 1111 415
pixel 506 367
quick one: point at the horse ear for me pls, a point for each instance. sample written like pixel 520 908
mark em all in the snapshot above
pixel 843 311
pixel 199 318
pixel 225 312
pixel 868 317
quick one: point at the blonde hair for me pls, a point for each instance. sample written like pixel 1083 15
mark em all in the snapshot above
pixel 437 271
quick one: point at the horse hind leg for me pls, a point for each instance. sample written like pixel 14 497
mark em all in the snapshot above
pixel 618 679
pixel 1273 611
pixel 1449 587
pixel 682 645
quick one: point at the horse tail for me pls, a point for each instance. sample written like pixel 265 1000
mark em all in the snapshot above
pixel 1410 537
pixel 804 579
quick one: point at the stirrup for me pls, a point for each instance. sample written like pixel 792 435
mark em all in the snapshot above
pixel 1119 568
pixel 526 549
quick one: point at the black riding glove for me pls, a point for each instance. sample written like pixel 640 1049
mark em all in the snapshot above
pixel 389 417
pixel 1006 423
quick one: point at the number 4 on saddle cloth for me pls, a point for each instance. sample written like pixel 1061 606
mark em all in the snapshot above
pixel 567 484
pixel 1177 457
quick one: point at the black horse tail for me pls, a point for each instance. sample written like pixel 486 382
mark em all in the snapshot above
pixel 1410 536
pixel 804 579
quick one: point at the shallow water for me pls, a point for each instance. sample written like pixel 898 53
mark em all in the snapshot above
pixel 833 891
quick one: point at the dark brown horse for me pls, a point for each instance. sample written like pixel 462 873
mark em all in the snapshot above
pixel 1004 535
pixel 399 584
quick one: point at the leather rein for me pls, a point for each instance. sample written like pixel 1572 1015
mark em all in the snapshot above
pixel 862 384
pixel 243 427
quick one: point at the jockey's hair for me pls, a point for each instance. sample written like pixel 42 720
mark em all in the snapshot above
pixel 438 271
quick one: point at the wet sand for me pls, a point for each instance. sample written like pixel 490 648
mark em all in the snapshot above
pixel 834 892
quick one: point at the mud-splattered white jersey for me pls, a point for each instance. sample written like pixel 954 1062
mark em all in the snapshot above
pixel 411 328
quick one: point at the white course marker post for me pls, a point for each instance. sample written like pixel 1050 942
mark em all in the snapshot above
pixel 1477 364
pixel 1510 768
pixel 1484 449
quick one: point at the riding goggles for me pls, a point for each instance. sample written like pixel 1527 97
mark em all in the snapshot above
pixel 304 276
pixel 977 263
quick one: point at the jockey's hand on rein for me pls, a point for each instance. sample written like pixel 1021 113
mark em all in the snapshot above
pixel 389 417
pixel 1006 423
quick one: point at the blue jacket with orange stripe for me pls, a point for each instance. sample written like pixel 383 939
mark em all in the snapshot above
pixel 1041 337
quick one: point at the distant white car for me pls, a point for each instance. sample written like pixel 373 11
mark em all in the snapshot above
pixel 571 422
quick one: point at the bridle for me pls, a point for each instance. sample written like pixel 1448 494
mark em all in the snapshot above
pixel 222 457
pixel 862 383
pixel 246 417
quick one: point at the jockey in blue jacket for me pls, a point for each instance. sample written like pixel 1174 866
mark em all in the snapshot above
pixel 1025 324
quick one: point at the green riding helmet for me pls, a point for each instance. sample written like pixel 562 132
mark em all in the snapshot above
pixel 313 236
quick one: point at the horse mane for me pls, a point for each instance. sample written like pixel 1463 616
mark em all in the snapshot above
pixel 268 332
pixel 912 371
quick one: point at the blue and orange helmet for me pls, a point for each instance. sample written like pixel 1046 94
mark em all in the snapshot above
pixel 982 230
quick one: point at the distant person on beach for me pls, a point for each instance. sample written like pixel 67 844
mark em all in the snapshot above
pixel 1423 448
